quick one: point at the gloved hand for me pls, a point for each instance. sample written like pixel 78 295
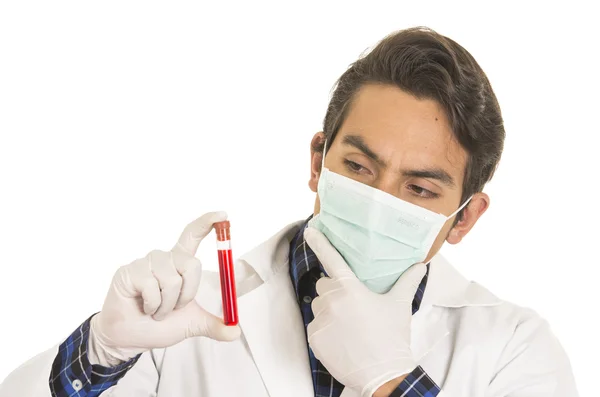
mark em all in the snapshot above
pixel 361 337
pixel 150 303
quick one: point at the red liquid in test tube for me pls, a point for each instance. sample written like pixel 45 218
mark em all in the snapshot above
pixel 230 313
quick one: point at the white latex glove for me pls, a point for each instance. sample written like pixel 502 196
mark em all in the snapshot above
pixel 361 337
pixel 150 303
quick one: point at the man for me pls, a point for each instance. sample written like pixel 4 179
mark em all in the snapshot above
pixel 353 301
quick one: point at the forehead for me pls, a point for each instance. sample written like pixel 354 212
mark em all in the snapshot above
pixel 404 131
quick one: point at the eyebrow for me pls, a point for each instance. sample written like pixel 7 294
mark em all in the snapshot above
pixel 438 174
pixel 358 142
pixel 433 173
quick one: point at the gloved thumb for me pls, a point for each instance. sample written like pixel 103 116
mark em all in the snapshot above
pixel 407 285
pixel 206 324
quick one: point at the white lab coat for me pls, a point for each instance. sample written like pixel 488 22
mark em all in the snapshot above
pixel 469 342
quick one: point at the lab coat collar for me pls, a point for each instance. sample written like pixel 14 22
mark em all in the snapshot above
pixel 266 258
pixel 446 287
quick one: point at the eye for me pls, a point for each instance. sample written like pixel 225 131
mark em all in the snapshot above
pixel 422 192
pixel 355 167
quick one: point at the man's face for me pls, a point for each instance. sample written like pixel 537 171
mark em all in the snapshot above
pixel 404 146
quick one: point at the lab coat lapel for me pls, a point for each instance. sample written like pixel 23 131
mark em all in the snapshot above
pixel 271 321
pixel 446 288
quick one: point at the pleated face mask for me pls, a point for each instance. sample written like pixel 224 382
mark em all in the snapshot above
pixel 379 235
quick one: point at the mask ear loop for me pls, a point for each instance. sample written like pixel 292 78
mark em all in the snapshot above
pixel 323 159
pixel 429 240
pixel 461 207
pixel 322 168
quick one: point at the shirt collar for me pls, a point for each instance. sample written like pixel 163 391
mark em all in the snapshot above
pixel 302 257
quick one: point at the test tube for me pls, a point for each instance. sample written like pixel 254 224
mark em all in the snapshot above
pixel 228 295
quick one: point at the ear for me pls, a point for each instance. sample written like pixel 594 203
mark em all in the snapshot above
pixel 316 158
pixel 471 214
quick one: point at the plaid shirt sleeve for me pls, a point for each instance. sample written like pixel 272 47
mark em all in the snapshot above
pixel 73 375
pixel 416 384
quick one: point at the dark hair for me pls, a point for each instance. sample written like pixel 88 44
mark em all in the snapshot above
pixel 428 65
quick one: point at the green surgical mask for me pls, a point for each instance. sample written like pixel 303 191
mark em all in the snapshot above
pixel 379 235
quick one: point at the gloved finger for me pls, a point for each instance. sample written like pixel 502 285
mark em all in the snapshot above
pixel 193 233
pixel 199 322
pixel 151 296
pixel 190 270
pixel 315 328
pixel 136 280
pixel 406 287
pixel 325 285
pixel 330 258
pixel 318 305
pixel 169 280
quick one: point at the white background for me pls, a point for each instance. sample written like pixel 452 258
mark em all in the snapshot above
pixel 122 121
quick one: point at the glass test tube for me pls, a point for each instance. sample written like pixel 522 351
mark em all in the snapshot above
pixel 228 294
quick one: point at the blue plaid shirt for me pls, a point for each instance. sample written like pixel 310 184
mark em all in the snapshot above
pixel 305 270
pixel 73 375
